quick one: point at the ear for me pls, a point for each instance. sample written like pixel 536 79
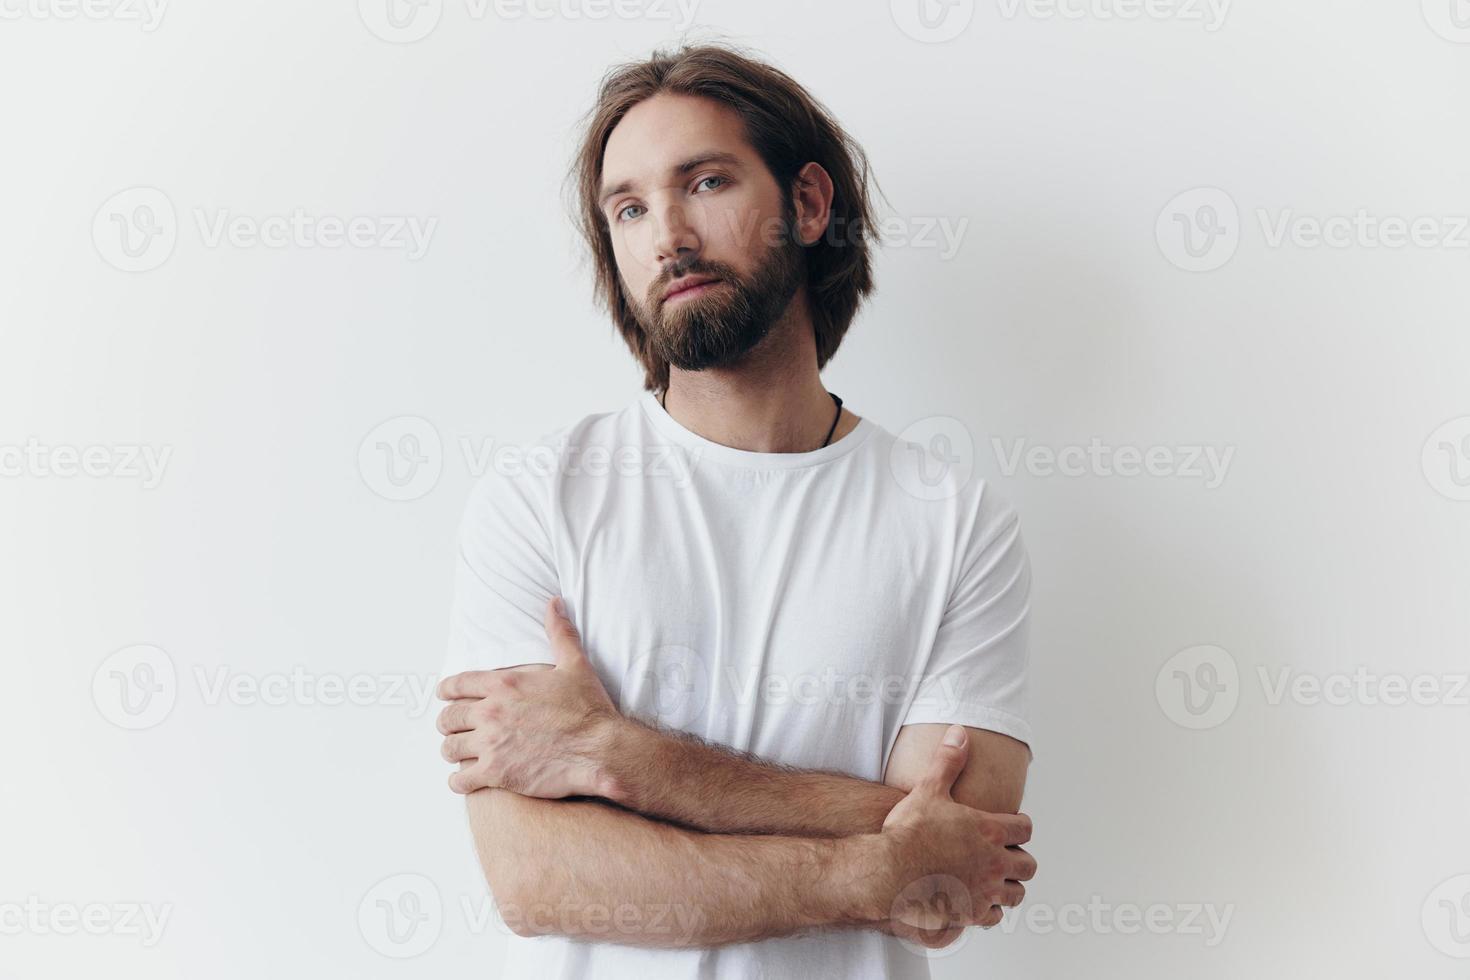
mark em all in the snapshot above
pixel 811 196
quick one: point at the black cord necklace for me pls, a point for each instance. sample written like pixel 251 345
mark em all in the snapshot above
pixel 664 398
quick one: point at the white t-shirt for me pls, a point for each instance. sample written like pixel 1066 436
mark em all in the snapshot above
pixel 800 606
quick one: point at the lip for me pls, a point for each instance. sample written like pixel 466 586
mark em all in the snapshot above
pixel 688 284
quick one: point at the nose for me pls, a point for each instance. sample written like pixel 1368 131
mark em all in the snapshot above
pixel 676 237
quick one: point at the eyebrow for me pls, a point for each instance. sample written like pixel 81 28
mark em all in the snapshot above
pixel 678 170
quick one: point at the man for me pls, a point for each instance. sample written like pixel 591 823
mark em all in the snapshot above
pixel 742 687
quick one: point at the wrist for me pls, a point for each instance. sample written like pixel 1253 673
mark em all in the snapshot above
pixel 607 745
pixel 872 864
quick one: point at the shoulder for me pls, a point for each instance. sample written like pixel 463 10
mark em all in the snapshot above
pixel 933 468
pixel 524 477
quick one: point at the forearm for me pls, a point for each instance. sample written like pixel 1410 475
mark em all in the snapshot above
pixel 677 777
pixel 591 871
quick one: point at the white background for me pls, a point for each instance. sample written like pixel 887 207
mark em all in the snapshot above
pixel 1331 834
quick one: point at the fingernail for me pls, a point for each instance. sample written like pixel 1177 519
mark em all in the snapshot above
pixel 560 609
pixel 955 735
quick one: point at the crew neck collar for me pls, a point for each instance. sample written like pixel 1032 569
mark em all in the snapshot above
pixel 672 429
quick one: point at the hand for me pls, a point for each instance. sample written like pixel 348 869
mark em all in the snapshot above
pixel 534 730
pixel 953 866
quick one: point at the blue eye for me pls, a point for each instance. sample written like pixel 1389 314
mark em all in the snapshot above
pixel 712 177
pixel 626 210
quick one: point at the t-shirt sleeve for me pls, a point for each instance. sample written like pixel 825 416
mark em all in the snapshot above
pixel 976 673
pixel 505 573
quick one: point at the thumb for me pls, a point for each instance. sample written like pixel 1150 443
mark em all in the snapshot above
pixel 566 643
pixel 947 762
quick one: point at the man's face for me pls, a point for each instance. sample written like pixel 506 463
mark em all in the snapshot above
pixel 688 199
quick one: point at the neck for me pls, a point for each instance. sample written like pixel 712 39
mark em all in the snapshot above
pixel 771 401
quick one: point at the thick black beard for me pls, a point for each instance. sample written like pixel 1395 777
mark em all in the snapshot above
pixel 718 329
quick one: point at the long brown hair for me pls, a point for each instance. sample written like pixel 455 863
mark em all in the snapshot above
pixel 788 128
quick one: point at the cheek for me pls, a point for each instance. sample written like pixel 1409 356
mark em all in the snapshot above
pixel 738 234
pixel 636 254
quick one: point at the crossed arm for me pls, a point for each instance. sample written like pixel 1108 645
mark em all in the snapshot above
pixel 691 844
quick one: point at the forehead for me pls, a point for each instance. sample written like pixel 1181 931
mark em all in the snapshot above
pixel 656 135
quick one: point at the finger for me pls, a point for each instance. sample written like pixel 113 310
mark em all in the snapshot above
pixel 470 684
pixel 456 717
pixel 937 938
pixel 467 779
pixel 566 643
pixel 1022 866
pixel 947 762
pixel 1016 827
pixel 1009 894
pixel 456 748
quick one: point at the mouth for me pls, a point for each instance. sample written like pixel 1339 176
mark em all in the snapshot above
pixel 690 287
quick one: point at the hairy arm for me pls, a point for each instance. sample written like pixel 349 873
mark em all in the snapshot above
pixel 588 870
pixel 584 869
pixel 681 778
